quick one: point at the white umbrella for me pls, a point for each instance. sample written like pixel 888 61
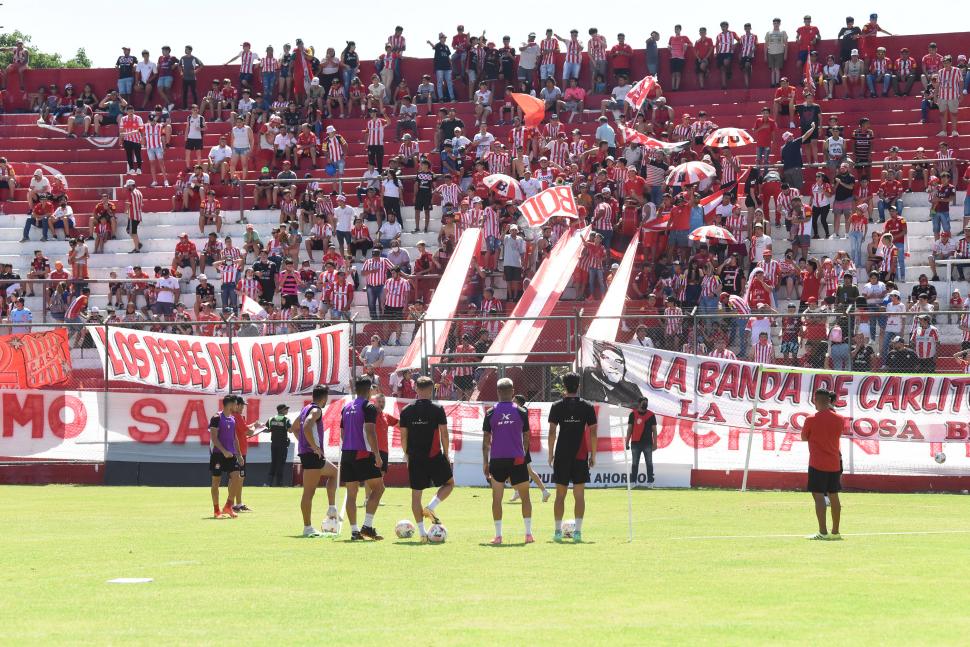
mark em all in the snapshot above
pixel 729 138
pixel 505 187
pixel 690 173
pixel 712 233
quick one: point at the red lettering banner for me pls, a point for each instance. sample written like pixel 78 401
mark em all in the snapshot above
pixel 554 201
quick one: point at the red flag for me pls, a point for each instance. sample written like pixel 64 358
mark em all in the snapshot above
pixel 809 80
pixel 533 109
pixel 709 204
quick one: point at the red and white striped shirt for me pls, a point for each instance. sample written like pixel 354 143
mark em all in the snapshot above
pixel 136 205
pixel 229 273
pixel 737 224
pixel 465 364
pixel 682 132
pixel 450 193
pixel 398 44
pixel 951 83
pixel 593 256
pixel 881 66
pixel 231 254
pixel 492 310
pixel 829 282
pixel 905 66
pixel 724 42
pixel 289 207
pixel 246 61
pixel 674 322
pixel 408 149
pixel 558 152
pixel 467 219
pixel 603 216
pixel 763 353
pixel 131 127
pixel 925 341
pixel 738 304
pixel 785 198
pixel 888 254
pixel 335 148
pixel 250 287
pixel 490 223
pixel 519 137
pixel 711 286
pixel 574 51
pixel 730 169
pixel 551 130
pixel 820 194
pixel 577 147
pixel 397 293
pixel 549 47
pixel 596 46
pixel 749 43
pixel 341 296
pixel 270 64
pixel 321 230
pixel 375 271
pixel 153 135
pixel 375 131
pixel 498 162
pixel 772 269
pixel 727 353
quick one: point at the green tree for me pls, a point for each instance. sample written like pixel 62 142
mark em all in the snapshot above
pixel 39 59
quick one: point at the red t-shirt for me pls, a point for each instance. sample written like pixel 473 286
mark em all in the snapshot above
pixel 703 47
pixel 810 285
pixel 786 94
pixel 823 431
pixel 805 35
pixel 384 422
pixel 242 434
pixel 621 56
pixel 764 136
pixel 896 227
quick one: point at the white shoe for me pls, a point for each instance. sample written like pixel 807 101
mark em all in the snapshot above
pixel 154 183
pixel 131 171
pixel 942 133
pixel 311 532
pixel 515 496
pixel 546 495
pixel 138 171
pixel 166 183
pixel 954 133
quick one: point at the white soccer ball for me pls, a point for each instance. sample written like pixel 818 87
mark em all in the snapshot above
pixel 568 528
pixel 329 526
pixel 437 534
pixel 939 457
pixel 404 529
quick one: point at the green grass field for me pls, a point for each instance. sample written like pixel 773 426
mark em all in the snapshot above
pixel 705 567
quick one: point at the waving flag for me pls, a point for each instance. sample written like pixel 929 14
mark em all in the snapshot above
pixel 533 109
pixel 607 320
pixel 639 92
pixel 809 79
pixel 630 135
pixel 554 201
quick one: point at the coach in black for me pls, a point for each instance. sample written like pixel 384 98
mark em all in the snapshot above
pixel 573 453
pixel 278 427
pixel 424 440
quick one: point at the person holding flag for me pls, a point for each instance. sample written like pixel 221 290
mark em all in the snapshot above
pixel 573 453
pixel 301 71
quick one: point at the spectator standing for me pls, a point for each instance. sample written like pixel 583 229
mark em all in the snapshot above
pixel 125 64
pixel 776 51
pixel 131 127
pixel 679 45
pixel 189 65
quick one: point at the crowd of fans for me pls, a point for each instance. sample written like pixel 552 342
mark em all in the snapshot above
pixel 844 311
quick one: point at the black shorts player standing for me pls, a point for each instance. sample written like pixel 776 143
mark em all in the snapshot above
pixel 573 452
pixel 424 439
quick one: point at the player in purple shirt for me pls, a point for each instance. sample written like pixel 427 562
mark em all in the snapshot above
pixel 360 459
pixel 224 456
pixel 310 443
pixel 506 435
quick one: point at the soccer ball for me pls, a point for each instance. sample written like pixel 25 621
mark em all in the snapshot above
pixel 939 457
pixel 404 529
pixel 329 526
pixel 568 528
pixel 437 534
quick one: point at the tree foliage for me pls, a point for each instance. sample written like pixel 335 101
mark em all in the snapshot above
pixel 39 59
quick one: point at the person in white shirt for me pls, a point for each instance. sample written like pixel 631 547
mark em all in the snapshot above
pixel 894 319
pixel 641 339
pixel 459 140
pixel 63 219
pixel 389 230
pixel 483 141
pixel 529 185
pixel 285 145
pixel 760 241
pixel 617 100
pixel 344 216
pixel 219 158
pixel 483 103
pixel 244 108
pixel 145 71
pixel 39 185
pixel 168 290
pixel 243 142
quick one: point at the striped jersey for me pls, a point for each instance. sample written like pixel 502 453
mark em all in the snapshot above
pixel 153 135
pixel 603 217
pixel 596 46
pixel 246 61
pixel 925 341
pixel 397 293
pixel 270 64
pixel 375 271
pixel 548 47
pixel 763 353
pixel 724 42
pixel 136 205
pixel 131 127
pixel 749 43
pixel 375 131
pixel 574 50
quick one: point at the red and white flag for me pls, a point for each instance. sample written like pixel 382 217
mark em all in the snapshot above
pixel 709 203
pixel 251 307
pixel 809 79
pixel 554 201
pixel 432 335
pixel 515 341
pixel 640 91
pixel 635 136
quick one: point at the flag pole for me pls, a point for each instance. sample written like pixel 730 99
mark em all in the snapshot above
pixel 747 456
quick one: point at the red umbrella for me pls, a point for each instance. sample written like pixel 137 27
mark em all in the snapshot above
pixel 690 173
pixel 712 233
pixel 729 138
pixel 505 187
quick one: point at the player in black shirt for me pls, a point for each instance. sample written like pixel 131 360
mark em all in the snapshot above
pixel 278 427
pixel 573 453
pixel 424 439
pixel 423 186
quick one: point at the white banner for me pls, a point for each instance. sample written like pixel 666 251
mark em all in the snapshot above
pixel 554 201
pixel 270 365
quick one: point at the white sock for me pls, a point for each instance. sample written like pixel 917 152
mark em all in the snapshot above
pixel 528 525
pixel 369 520
pixel 558 525
pixel 434 503
pixel 579 524
pixel 354 528
pixel 305 528
pixel 498 528
pixel 332 511
pixel 421 530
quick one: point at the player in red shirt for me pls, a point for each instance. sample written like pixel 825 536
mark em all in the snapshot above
pixel 703 48
pixel 822 432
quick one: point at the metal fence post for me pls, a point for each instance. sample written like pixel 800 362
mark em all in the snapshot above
pixel 104 395
pixel 232 355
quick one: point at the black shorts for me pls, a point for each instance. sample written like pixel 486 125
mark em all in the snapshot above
pixel 385 460
pixel 824 482
pixel 193 144
pixel 424 472
pixel 316 244
pixel 574 471
pixel 747 61
pixel 219 464
pixel 393 313
pixel 512 273
pixel 422 200
pixel 108 119
pixel 291 301
pixel 697 64
pixel 464 382
pixel 677 65
pixel 512 470
pixel 311 461
pixel 132 227
pixel 724 59
pixel 353 469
